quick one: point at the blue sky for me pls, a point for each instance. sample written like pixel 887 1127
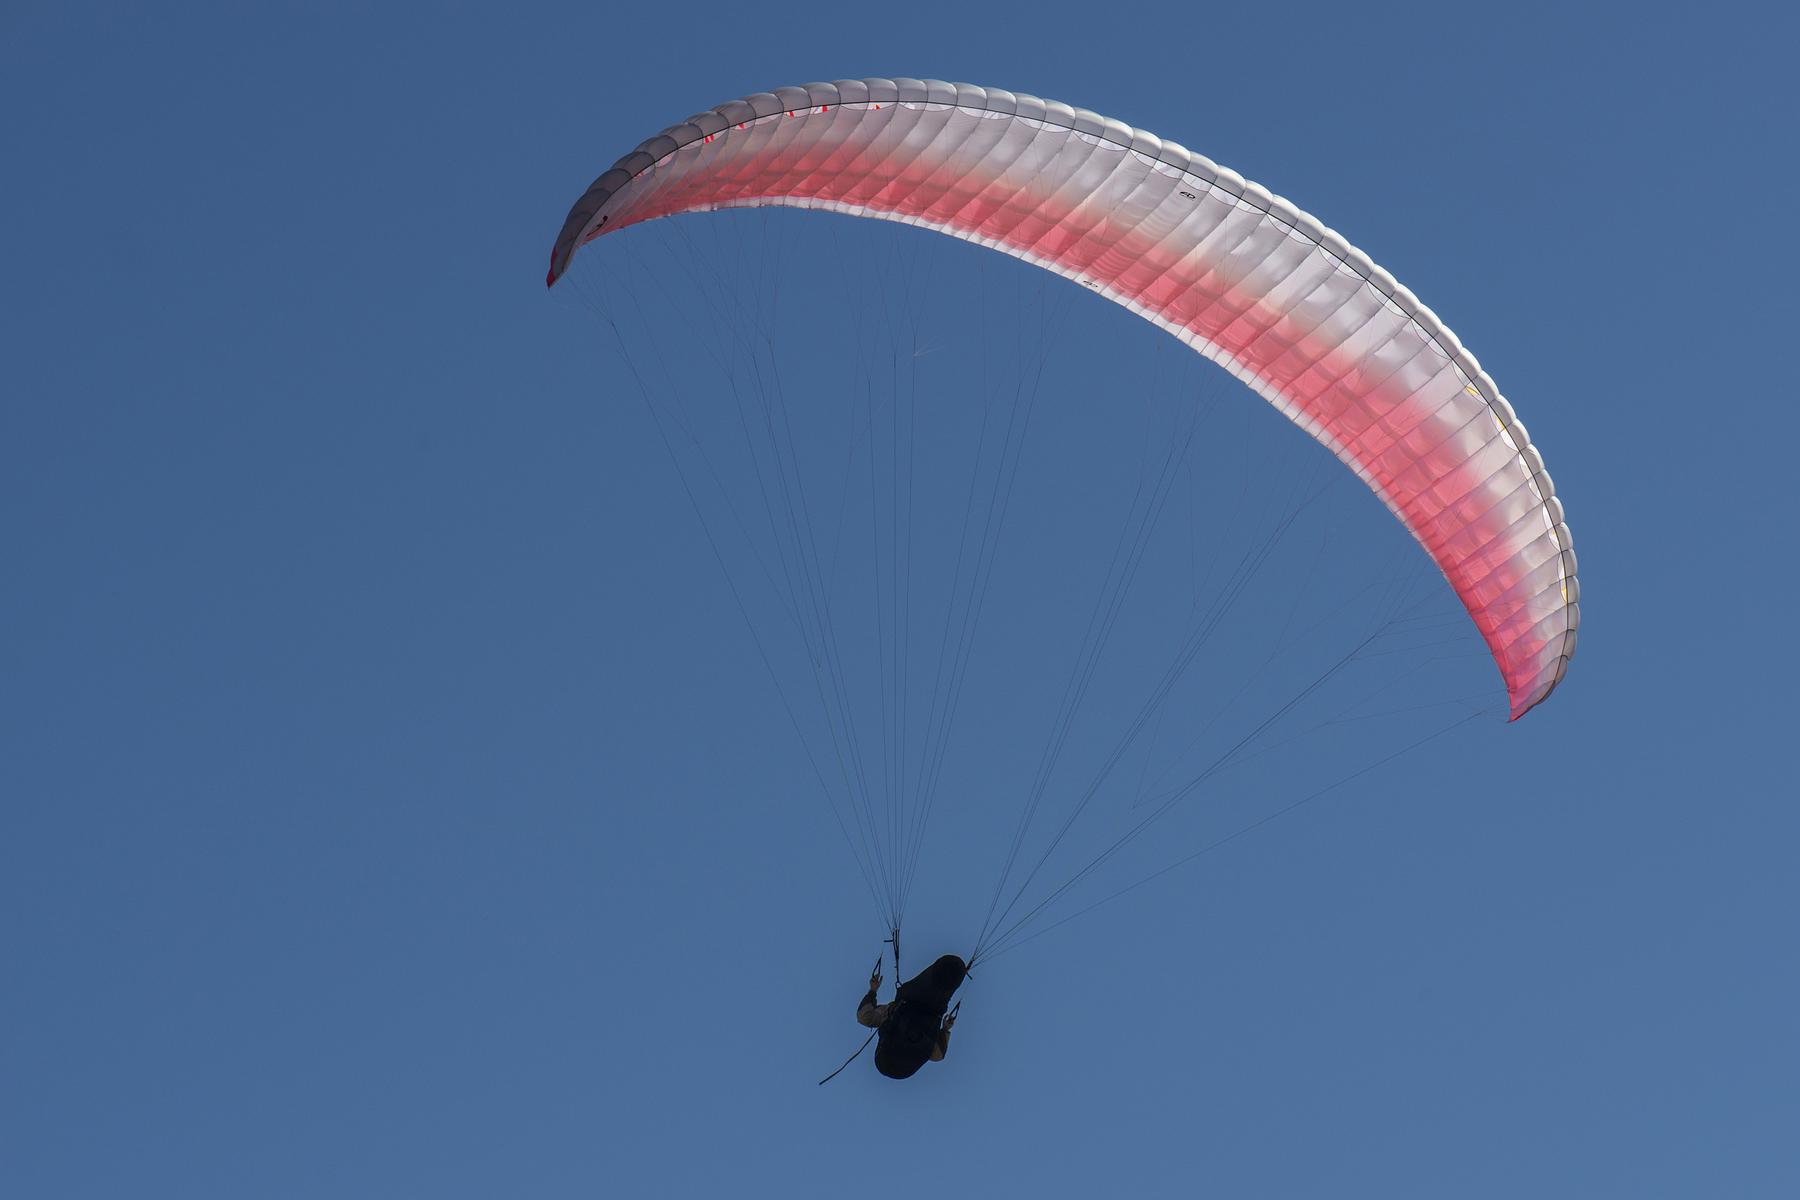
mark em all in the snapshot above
pixel 394 803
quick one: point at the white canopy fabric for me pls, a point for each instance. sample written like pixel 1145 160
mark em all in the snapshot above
pixel 1240 275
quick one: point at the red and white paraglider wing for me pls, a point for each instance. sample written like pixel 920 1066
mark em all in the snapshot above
pixel 1240 275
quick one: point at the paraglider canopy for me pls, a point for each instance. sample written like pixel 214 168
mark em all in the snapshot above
pixel 1242 276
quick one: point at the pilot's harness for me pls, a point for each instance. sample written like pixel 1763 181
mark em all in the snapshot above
pixel 894 941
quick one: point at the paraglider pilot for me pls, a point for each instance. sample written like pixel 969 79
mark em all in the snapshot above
pixel 914 1027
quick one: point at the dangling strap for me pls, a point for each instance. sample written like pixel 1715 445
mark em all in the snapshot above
pixel 849 1060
